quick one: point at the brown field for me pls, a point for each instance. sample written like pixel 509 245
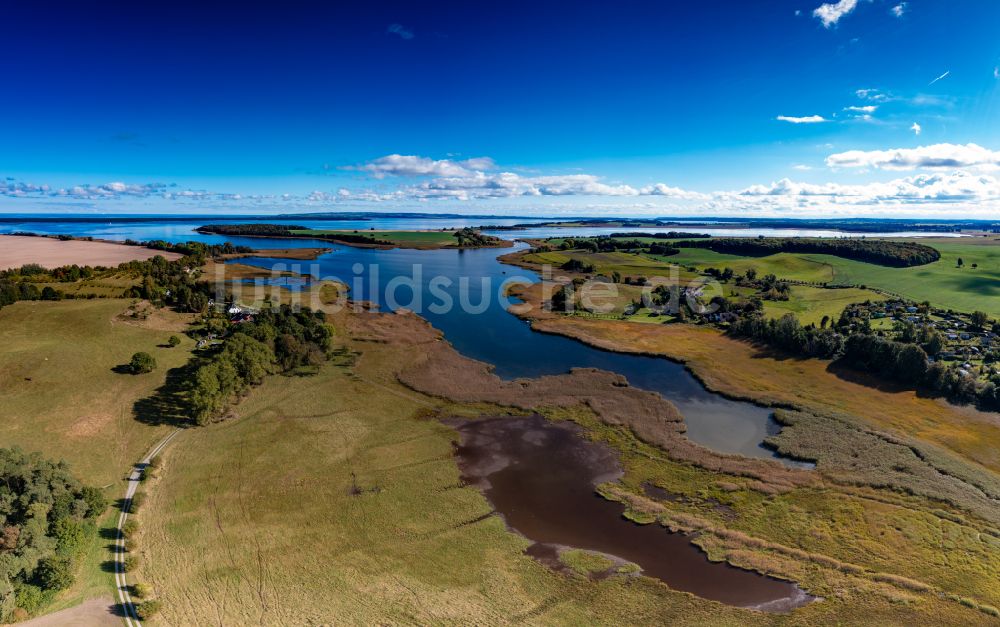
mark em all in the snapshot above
pixel 741 370
pixel 16 251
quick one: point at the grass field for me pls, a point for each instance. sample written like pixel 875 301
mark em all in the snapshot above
pixel 61 397
pixel 104 287
pixel 943 282
pixel 626 264
pixel 331 499
pixel 782 265
pixel 258 521
pixel 742 370
pixel 810 304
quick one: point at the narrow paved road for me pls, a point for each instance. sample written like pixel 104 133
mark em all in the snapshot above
pixel 131 618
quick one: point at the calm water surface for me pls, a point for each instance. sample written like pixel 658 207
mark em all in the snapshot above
pixel 492 335
pixel 541 476
pixel 487 333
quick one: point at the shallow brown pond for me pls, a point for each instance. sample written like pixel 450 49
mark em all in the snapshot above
pixel 541 476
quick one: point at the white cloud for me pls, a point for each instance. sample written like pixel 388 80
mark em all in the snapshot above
pixel 873 95
pixel 899 9
pixel 936 156
pixel 673 192
pixel 412 165
pixel 809 119
pixel 831 13
pixel 480 178
pixel 953 187
pixel 802 167
pixel 996 71
pixel 399 30
pixel 863 109
pixel 916 128
pixel 939 78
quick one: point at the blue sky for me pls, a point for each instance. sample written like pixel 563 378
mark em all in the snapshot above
pixel 852 107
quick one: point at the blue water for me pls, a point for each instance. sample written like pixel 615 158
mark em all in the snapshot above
pixel 482 329
pixel 497 337
pixel 183 229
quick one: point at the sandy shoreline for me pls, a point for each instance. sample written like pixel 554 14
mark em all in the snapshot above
pixel 17 250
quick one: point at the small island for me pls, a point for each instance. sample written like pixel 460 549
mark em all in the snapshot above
pixel 422 240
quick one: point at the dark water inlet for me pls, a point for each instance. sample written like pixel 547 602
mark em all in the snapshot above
pixel 541 476
pixel 496 337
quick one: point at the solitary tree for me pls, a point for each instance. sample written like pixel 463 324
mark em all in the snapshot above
pixel 173 341
pixel 142 363
pixel 979 319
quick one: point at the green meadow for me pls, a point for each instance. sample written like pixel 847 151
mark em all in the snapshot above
pixel 944 283
pixel 413 239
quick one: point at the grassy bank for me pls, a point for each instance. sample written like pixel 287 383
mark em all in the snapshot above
pixel 336 497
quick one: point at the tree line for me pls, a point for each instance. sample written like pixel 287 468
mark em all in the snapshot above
pixel 610 244
pixel 276 341
pixel 905 362
pixel 880 252
pixel 163 282
pixel 289 231
pixel 46 517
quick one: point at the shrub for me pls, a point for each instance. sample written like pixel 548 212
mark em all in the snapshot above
pixel 142 590
pixel 142 363
pixel 131 563
pixel 29 598
pixel 148 609
pixel 55 573
pixel 137 501
pixel 130 528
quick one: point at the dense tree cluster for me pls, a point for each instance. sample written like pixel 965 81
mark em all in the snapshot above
pixel 289 230
pixel 788 334
pixel 194 249
pixel 904 359
pixel 610 244
pixel 275 341
pixel 256 228
pixel 163 282
pixel 46 515
pixel 170 283
pixel 881 252
pixel 471 238
pixel 575 265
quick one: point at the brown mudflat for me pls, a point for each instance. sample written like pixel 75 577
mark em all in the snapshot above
pixel 541 476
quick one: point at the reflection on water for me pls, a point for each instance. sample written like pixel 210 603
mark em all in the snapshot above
pixel 491 335
pixel 541 476
pixel 494 336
